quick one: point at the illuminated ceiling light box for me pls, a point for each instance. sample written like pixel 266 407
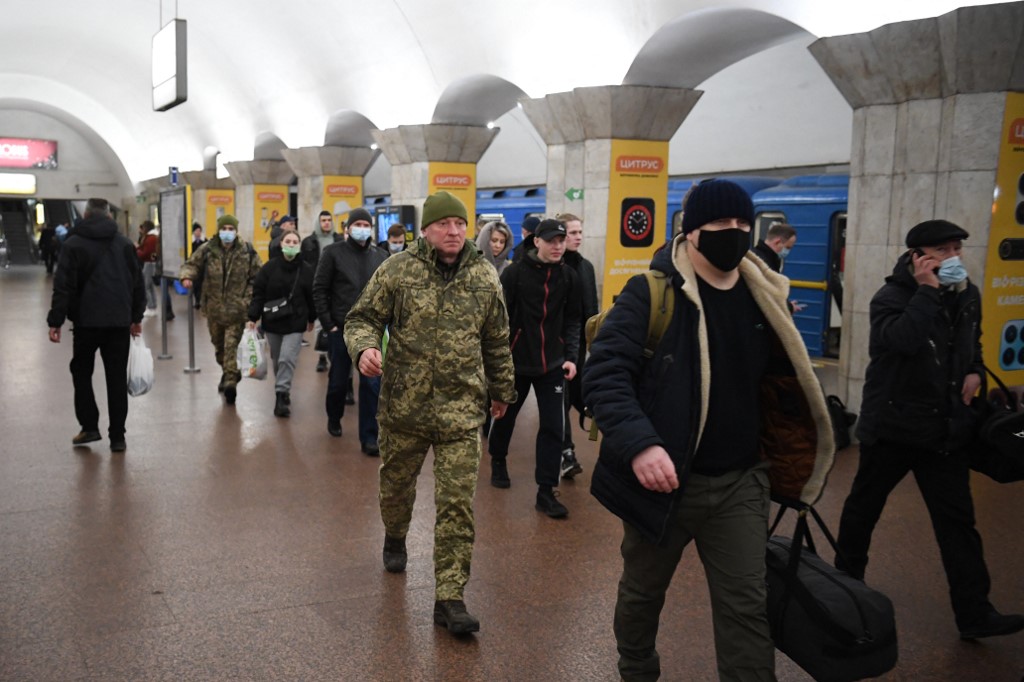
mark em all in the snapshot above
pixel 17 183
pixel 170 72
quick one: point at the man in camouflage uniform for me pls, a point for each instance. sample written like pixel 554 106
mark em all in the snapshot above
pixel 447 356
pixel 227 266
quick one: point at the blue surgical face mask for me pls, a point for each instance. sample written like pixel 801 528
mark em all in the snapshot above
pixel 227 236
pixel 395 248
pixel 952 271
pixel 785 252
pixel 360 234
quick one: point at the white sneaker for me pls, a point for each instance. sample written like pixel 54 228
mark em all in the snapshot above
pixel 150 312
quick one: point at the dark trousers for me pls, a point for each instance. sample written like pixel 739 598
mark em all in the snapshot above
pixel 573 398
pixel 337 385
pixel 113 344
pixel 944 482
pixel 550 411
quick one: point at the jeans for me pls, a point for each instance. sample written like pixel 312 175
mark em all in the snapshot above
pixel 337 385
pixel 113 344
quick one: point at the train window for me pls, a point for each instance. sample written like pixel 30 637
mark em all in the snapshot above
pixel 531 192
pixel 762 221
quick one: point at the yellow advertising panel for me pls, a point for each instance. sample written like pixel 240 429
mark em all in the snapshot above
pixel 342 193
pixel 270 205
pixel 460 180
pixel 637 209
pixel 1002 302
pixel 218 202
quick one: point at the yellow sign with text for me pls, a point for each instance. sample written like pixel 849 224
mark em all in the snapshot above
pixel 219 202
pixel 637 210
pixel 270 205
pixel 460 180
pixel 1002 303
pixel 342 193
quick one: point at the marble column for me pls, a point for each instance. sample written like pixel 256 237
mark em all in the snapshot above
pixel 201 183
pixel 246 175
pixel 929 97
pixel 312 164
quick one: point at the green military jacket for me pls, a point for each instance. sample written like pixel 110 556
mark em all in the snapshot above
pixel 227 276
pixel 448 351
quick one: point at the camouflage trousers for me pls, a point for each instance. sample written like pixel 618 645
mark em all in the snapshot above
pixel 225 339
pixel 456 462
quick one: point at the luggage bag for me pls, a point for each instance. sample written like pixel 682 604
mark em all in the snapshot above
pixel 833 626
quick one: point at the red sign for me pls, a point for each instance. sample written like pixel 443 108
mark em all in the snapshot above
pixel 342 190
pixel 270 196
pixel 17 152
pixel 452 181
pixel 639 164
pixel 218 199
pixel 1017 132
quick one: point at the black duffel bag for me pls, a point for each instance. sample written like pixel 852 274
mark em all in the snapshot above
pixel 998 447
pixel 832 625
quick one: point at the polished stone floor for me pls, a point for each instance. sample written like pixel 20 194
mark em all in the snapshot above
pixel 229 544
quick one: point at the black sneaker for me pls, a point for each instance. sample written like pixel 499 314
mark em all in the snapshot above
pixel 453 615
pixel 570 465
pixel 321 364
pixel 84 437
pixel 371 448
pixel 547 502
pixel 499 473
pixel 994 624
pixel 118 445
pixel 229 394
pixel 395 556
pixel 281 408
pixel 334 427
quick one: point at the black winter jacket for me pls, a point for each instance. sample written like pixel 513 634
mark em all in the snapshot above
pixel 768 255
pixel 639 403
pixel 310 248
pixel 275 280
pixel 98 281
pixel 543 301
pixel 924 341
pixel 344 269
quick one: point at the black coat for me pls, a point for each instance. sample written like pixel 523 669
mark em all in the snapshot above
pixel 98 281
pixel 923 342
pixel 543 301
pixel 768 255
pixel 310 249
pixel 344 269
pixel 275 280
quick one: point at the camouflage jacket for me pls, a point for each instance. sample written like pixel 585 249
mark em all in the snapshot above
pixel 227 276
pixel 448 350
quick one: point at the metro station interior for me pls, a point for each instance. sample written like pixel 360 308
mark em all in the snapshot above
pixel 227 543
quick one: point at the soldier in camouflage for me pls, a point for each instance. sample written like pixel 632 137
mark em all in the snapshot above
pixel 447 357
pixel 227 266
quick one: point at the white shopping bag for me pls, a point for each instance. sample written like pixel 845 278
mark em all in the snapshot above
pixel 252 355
pixel 140 367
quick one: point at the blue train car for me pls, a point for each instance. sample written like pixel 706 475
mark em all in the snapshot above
pixel 815 205
pixel 515 204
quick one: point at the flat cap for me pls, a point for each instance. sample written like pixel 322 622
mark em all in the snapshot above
pixel 934 232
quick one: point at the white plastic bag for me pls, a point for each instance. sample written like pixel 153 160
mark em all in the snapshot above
pixel 140 367
pixel 252 355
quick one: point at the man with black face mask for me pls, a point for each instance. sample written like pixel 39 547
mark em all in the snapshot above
pixel 685 431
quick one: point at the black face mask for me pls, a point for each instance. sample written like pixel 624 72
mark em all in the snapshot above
pixel 724 249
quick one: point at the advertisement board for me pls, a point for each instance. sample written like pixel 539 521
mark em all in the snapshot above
pixel 342 193
pixel 218 202
pixel 270 205
pixel 460 180
pixel 17 152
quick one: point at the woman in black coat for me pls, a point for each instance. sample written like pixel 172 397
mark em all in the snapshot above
pixel 285 284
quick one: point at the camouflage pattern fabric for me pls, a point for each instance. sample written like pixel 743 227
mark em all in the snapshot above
pixel 225 339
pixel 448 347
pixel 456 462
pixel 227 276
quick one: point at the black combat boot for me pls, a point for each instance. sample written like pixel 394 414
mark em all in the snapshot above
pixel 281 406
pixel 395 555
pixel 452 614
pixel 499 473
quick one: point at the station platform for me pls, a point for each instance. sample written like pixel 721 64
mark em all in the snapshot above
pixel 229 544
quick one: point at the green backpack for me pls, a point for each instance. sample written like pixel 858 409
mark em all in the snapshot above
pixel 661 315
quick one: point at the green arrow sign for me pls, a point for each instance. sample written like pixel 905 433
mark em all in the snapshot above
pixel 574 194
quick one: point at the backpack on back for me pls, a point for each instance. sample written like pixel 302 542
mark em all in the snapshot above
pixel 662 308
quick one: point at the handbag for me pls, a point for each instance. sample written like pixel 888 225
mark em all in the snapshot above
pixel 998 447
pixel 280 309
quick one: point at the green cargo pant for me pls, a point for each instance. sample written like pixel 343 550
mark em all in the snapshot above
pixel 225 339
pixel 727 517
pixel 456 462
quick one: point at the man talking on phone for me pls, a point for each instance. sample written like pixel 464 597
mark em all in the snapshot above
pixel 544 302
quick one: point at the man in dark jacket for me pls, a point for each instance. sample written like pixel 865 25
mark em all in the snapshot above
pixel 588 288
pixel 312 247
pixel 776 245
pixel 925 366
pixel 686 430
pixel 48 247
pixel 343 271
pixel 99 288
pixel 543 299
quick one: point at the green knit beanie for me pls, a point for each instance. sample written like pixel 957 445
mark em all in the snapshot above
pixel 227 219
pixel 442 205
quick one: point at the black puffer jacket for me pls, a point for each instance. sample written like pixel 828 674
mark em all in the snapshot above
pixel 543 301
pixel 276 280
pixel 923 342
pixel 98 281
pixel 344 269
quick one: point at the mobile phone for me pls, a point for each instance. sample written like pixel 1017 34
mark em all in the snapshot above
pixel 919 253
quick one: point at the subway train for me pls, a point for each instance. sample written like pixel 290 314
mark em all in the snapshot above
pixel 814 204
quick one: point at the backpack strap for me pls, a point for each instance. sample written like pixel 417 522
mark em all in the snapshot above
pixel 662 308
